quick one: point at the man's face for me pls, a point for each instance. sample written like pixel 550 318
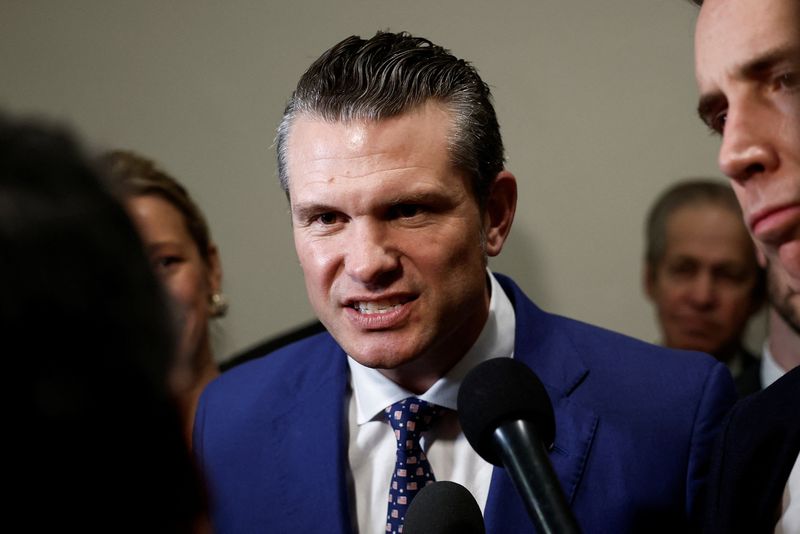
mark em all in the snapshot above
pixel 703 286
pixel 391 240
pixel 748 71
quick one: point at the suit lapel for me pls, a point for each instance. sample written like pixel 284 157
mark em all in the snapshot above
pixel 542 345
pixel 310 436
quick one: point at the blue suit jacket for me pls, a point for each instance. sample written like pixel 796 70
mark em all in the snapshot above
pixel 634 428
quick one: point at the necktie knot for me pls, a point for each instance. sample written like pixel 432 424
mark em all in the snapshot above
pixel 409 418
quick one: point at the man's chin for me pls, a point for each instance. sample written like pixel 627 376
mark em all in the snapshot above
pixel 789 259
pixel 378 349
pixel 789 310
pixel 380 360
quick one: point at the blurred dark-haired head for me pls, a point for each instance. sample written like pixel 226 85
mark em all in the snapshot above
pixel 95 436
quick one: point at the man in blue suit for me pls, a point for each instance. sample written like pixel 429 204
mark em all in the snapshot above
pixel 391 157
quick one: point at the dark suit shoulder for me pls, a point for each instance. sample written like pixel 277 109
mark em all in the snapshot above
pixel 773 409
pixel 749 379
pixel 758 447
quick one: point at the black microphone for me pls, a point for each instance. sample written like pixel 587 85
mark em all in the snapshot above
pixel 443 508
pixel 508 419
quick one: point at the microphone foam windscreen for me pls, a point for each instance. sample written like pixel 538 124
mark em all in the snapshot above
pixel 498 391
pixel 444 508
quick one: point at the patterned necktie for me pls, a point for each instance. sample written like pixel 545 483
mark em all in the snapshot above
pixel 412 472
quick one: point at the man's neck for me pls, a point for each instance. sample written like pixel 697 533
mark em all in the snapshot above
pixel 419 375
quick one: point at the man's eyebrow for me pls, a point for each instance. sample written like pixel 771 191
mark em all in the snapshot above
pixel 765 62
pixel 754 68
pixel 417 197
pixel 306 210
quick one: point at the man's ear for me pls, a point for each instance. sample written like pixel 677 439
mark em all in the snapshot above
pixel 499 213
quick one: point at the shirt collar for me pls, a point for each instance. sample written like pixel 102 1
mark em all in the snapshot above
pixel 770 370
pixel 373 392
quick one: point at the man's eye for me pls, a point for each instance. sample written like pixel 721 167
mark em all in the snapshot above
pixel 406 211
pixel 717 123
pixel 733 275
pixel 327 218
pixel 681 270
pixel 789 80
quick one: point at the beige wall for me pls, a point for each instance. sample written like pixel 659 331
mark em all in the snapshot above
pixel 595 98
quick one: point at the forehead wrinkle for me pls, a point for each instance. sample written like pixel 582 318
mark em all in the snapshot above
pixel 418 188
pixel 351 172
pixel 324 151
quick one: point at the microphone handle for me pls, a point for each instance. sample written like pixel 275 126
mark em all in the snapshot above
pixel 526 461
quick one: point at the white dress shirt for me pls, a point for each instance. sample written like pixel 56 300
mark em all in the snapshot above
pixel 372 445
pixel 789 523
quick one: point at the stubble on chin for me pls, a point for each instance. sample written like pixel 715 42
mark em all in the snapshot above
pixel 783 298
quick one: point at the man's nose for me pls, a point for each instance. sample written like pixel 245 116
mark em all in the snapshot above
pixel 702 290
pixel 746 148
pixel 371 257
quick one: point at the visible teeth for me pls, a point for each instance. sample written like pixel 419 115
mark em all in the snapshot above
pixel 375 307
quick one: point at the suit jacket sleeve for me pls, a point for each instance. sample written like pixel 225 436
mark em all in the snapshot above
pixel 717 398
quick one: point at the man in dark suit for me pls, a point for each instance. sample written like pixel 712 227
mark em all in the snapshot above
pixel 391 157
pixel 747 56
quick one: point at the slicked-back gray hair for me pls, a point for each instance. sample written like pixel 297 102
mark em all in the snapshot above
pixel 391 74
